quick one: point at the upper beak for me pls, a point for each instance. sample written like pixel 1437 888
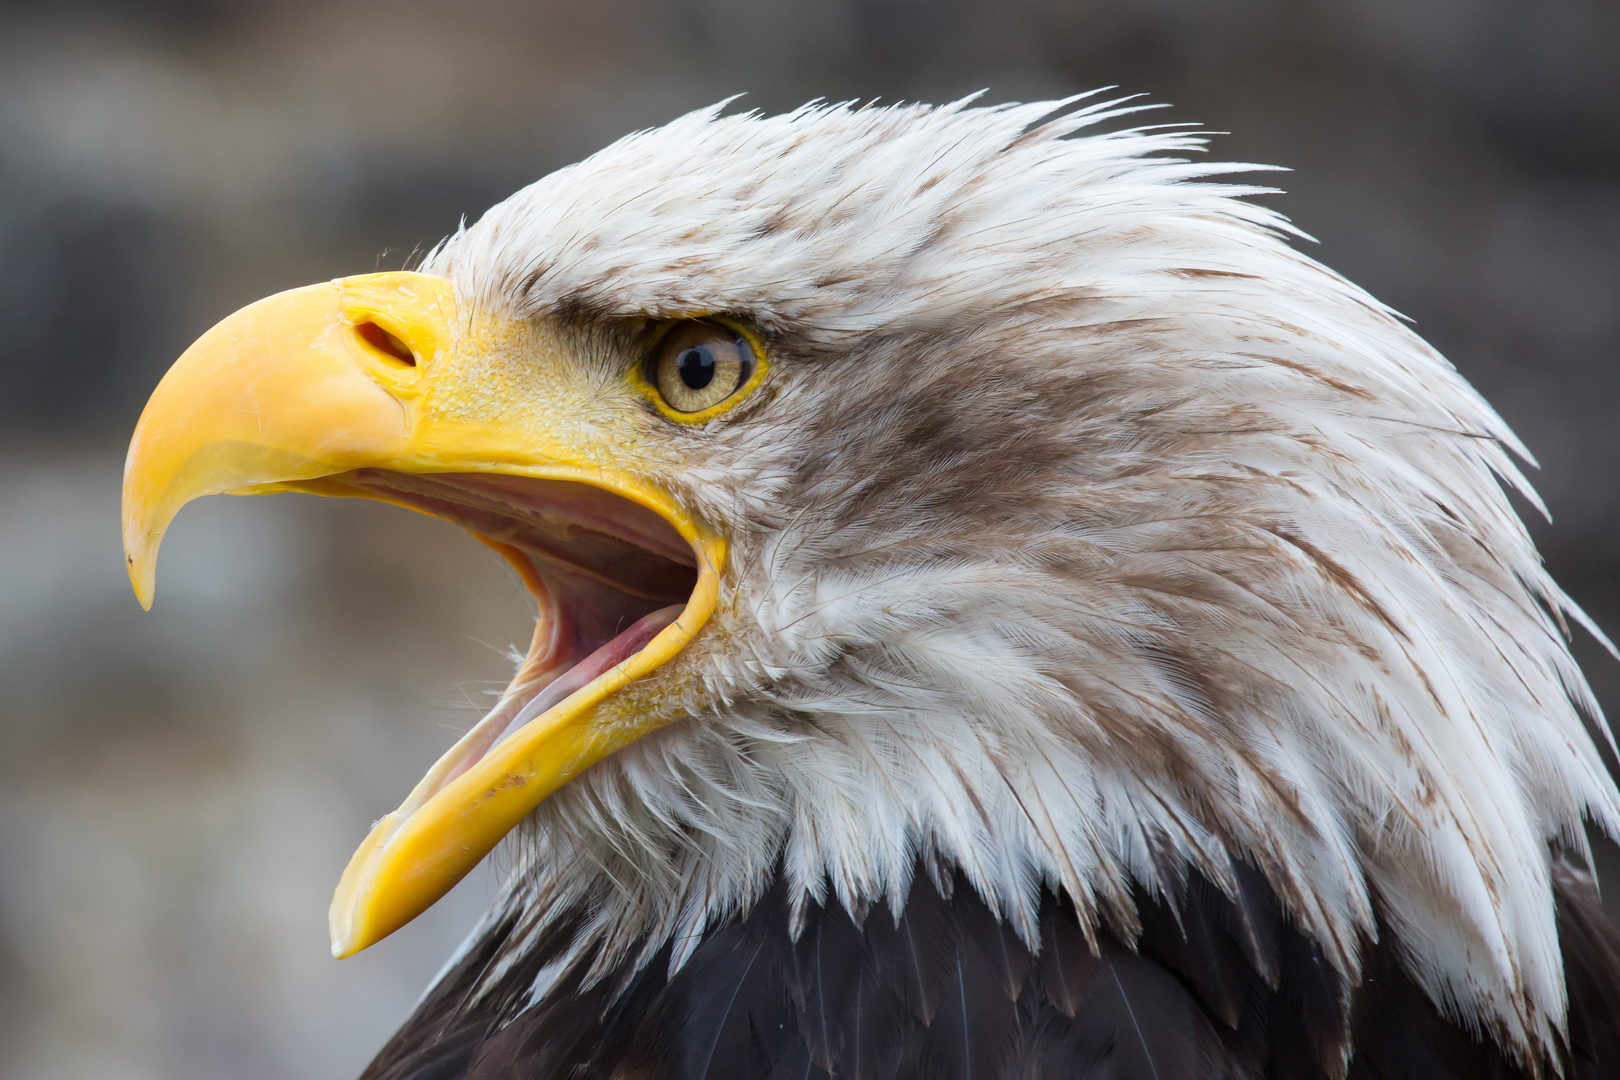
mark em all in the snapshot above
pixel 324 380
pixel 290 388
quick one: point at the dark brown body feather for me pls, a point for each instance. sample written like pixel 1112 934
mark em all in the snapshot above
pixel 1213 989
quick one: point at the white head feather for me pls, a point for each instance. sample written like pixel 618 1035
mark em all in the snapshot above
pixel 1088 532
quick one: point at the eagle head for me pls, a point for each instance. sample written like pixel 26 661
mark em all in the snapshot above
pixel 915 496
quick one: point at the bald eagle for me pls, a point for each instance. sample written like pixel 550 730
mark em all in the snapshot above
pixel 1003 613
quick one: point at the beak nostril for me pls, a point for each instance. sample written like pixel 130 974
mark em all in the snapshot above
pixel 387 344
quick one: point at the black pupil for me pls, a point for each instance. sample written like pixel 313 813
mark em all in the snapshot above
pixel 696 365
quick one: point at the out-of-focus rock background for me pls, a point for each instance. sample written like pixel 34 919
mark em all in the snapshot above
pixel 179 790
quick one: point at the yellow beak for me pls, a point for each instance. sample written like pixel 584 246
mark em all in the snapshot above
pixel 301 390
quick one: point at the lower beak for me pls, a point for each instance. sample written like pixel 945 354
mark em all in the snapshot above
pixel 295 391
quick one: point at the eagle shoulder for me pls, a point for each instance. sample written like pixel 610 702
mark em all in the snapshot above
pixel 1214 986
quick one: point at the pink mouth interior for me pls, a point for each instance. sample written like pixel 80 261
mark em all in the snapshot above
pixel 608 575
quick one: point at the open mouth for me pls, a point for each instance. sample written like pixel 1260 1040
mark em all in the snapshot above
pixel 340 389
pixel 606 573
pixel 294 393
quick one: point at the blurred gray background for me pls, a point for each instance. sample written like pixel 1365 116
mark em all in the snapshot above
pixel 179 790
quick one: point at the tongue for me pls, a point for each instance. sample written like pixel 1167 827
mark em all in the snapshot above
pixel 621 648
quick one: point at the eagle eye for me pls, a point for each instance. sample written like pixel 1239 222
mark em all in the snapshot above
pixel 700 364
